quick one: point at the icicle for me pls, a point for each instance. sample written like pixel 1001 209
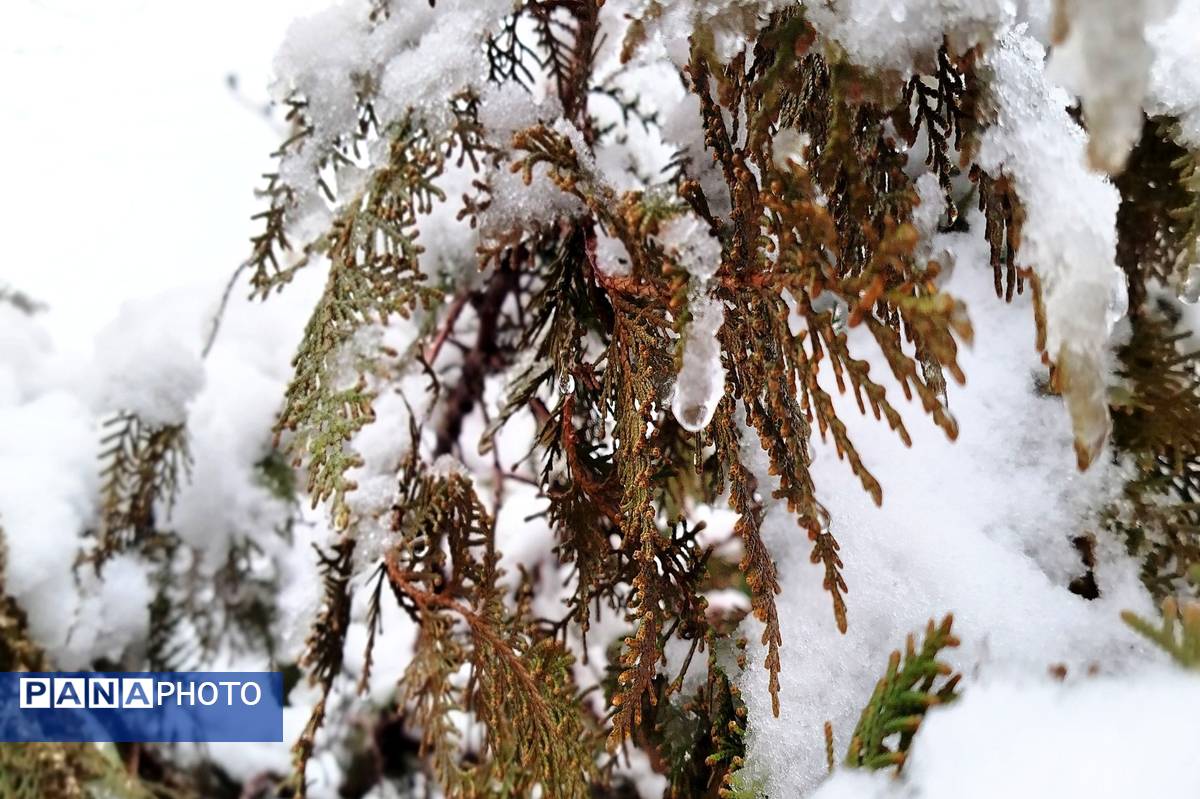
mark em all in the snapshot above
pixel 701 380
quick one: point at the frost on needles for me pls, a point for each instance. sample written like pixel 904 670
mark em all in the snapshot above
pixel 642 374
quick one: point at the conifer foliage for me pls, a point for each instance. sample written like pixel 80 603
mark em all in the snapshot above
pixel 903 695
pixel 551 295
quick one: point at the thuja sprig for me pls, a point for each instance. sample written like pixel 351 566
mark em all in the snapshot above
pixel 1003 216
pixel 1156 411
pixel 1178 633
pixel 143 466
pixel 373 274
pixel 811 243
pixel 1188 218
pixel 274 260
pixel 908 688
pixel 701 736
pixel 757 563
pixel 811 250
pixel 637 342
pixel 324 650
pixel 443 571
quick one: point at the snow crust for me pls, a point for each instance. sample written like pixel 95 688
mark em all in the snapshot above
pixel 905 34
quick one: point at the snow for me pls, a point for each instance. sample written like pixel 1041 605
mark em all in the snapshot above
pixel 1006 498
pixel 931 206
pixel 446 61
pixel 686 237
pixel 48 470
pixel 1105 60
pixel 1175 75
pixel 701 380
pixel 1101 738
pixel 115 615
pixel 679 129
pixel 507 108
pixel 981 527
pixel 1069 234
pixel 905 35
pixel 450 243
pixel 516 205
pixel 317 59
pixel 789 146
pixel 149 363
pixel 224 496
pixel 409 64
pixel 505 111
pixel 612 258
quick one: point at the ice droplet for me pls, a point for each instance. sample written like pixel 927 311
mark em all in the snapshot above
pixel 566 383
pixel 692 417
pixel 1118 300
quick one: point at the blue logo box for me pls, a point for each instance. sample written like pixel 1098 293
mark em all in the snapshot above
pixel 142 706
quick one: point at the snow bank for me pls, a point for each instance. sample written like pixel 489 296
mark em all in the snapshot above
pixel 1098 738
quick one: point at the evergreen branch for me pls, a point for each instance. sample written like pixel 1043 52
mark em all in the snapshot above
pixel 324 649
pixel 901 698
pixel 1178 634
pixel 373 274
pixel 757 563
pixel 142 467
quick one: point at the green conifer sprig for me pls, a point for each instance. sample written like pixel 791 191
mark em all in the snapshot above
pixel 373 274
pixel 1156 419
pixel 274 260
pixel 908 688
pixel 1156 403
pixel 324 650
pixel 1178 633
pixel 701 737
pixel 1188 217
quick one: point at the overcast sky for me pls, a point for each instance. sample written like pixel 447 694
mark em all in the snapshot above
pixel 128 163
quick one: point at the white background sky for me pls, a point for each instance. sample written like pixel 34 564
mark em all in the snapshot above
pixel 128 164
